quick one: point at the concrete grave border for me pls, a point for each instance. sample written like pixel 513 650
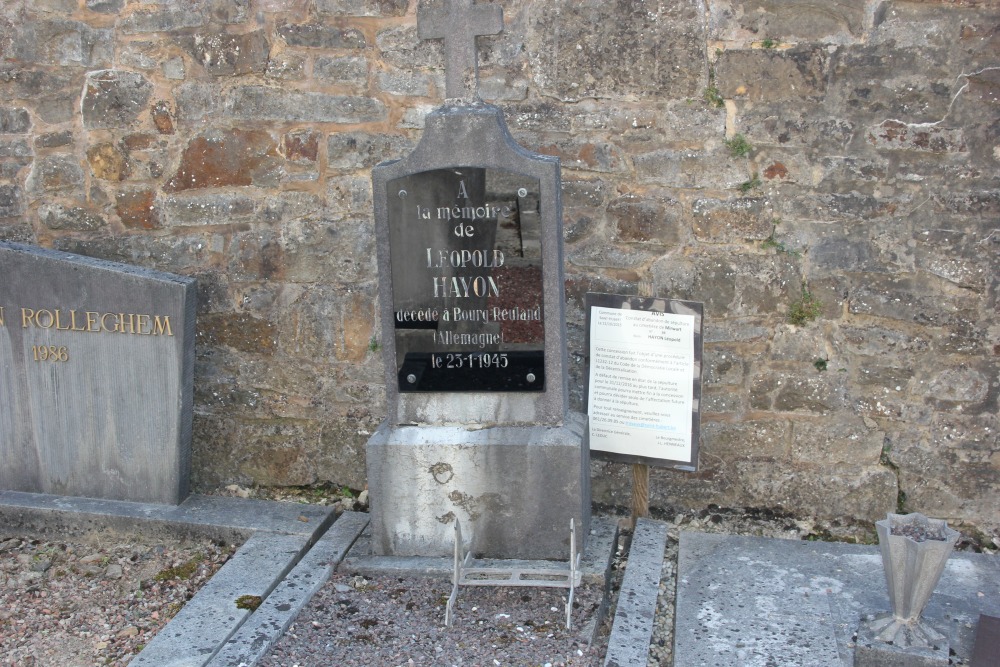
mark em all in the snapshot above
pixel 288 552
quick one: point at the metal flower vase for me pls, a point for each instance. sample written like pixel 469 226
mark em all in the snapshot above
pixel 914 550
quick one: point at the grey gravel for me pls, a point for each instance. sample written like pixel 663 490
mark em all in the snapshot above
pixel 400 621
pixel 79 603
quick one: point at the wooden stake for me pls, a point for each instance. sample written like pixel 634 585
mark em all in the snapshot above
pixel 640 491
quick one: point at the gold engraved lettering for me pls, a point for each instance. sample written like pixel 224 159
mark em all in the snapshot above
pixel 161 326
pixel 91 321
pixel 46 313
pixel 72 319
pixel 1 316
pixel 122 327
pixel 58 323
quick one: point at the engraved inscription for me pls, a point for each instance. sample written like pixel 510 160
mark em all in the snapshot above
pixel 86 321
pixel 50 353
pixel 89 321
pixel 465 254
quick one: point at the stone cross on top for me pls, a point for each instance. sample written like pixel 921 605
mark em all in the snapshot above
pixel 459 23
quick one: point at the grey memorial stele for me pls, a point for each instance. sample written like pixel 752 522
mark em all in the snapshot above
pixel 469 229
pixel 914 552
pixel 96 366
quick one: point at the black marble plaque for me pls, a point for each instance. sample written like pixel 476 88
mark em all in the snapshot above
pixel 466 261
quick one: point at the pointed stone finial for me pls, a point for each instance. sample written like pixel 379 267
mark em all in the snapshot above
pixel 458 24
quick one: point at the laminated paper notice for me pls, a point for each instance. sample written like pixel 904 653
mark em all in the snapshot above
pixel 641 392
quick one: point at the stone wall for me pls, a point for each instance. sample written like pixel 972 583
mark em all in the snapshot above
pixel 824 176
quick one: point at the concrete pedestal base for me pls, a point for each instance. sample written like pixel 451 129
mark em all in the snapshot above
pixel 514 489
pixel 870 651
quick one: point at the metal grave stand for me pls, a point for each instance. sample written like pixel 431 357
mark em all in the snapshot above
pixel 464 575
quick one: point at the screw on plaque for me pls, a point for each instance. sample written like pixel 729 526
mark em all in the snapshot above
pixel 402 194
pixel 411 378
pixel 531 377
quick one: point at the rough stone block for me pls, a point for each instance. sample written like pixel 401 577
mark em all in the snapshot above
pixel 734 220
pixel 863 493
pixel 330 326
pixel 240 331
pixel 14 120
pixel 320 36
pixel 765 440
pixel 723 366
pixel 189 253
pixel 54 139
pixel 114 98
pixel 15 148
pixel 621 50
pixel 583 154
pixel 88 338
pixel 808 392
pixel 953 254
pixel 308 246
pixel 108 162
pixel 781 125
pixel 537 117
pixel 73 218
pixel 55 174
pixel 63 42
pixel 691 169
pixel 961 385
pixel 140 54
pixel 11 201
pixel 162 18
pixel 137 209
pixel 209 209
pixel 645 220
pixel 915 84
pixel 221 158
pixel 364 8
pixel 410 83
pixel 894 135
pixel 835 22
pixel 841 440
pixel 909 299
pixel 344 70
pixel 198 101
pixel 400 47
pixel 349 197
pixel 597 253
pixel 105 6
pixel 945 465
pixel 767 75
pixel 364 150
pixel 721 400
pixel 259 103
pixel 226 54
pixel 289 67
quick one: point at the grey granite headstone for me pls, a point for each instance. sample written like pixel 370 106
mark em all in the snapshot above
pixel 469 229
pixel 96 364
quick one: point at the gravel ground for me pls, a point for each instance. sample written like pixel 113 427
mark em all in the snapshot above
pixel 387 621
pixel 78 604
